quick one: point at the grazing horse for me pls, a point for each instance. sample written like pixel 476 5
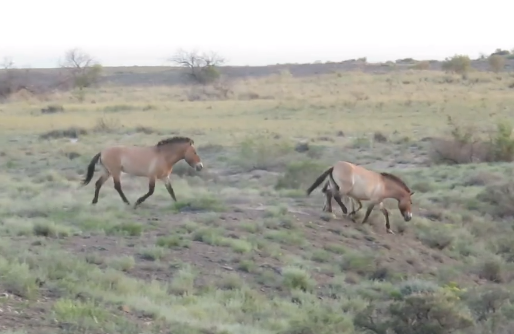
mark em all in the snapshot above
pixel 154 162
pixel 361 184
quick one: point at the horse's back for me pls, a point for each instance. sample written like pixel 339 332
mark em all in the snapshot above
pixel 135 160
pixel 361 183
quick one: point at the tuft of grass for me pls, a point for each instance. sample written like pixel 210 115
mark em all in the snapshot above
pixel 297 278
pixel 152 253
pixel 51 230
pixel 204 203
pixel 173 241
pixel 130 229
pixel 240 246
pixel 122 263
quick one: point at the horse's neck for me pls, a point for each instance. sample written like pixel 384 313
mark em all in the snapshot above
pixel 394 190
pixel 172 158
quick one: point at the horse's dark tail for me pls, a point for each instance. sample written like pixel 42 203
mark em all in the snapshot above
pixel 320 179
pixel 91 169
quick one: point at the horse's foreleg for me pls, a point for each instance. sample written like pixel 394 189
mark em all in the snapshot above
pixel 386 215
pixel 117 186
pixel 169 188
pixel 355 211
pixel 368 212
pixel 101 180
pixel 151 188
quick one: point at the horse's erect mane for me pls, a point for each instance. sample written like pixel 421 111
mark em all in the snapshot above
pixel 175 140
pixel 396 179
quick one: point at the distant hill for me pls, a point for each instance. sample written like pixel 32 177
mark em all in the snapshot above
pixel 160 75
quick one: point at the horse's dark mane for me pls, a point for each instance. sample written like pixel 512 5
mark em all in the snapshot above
pixel 396 179
pixel 175 140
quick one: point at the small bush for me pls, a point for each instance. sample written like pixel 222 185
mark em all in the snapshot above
pixel 409 287
pixel 491 269
pixel 379 137
pixel 459 64
pixel 172 241
pixel 417 313
pixel 465 146
pixel 130 229
pixel 299 174
pixel 496 63
pixel 436 237
pixel 421 65
pixel 500 196
pixel 486 301
pixel 152 253
pixel 263 153
pixel 199 203
pixel 71 132
pixel 123 263
pixel 50 230
pixel 297 278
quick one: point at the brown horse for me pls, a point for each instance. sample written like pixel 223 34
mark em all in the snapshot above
pixel 154 162
pixel 359 183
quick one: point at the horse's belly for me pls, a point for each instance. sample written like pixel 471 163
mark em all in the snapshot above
pixel 360 189
pixel 133 168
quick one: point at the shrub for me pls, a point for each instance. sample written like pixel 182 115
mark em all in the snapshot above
pixel 502 144
pixel 465 146
pixel 486 301
pixel 496 63
pixel 263 153
pixel 500 196
pixel 417 313
pixel 299 174
pixel 421 65
pixel 459 64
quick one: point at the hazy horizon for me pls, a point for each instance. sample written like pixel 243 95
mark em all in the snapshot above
pixel 122 34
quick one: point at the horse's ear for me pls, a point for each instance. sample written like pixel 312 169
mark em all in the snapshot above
pixel 412 193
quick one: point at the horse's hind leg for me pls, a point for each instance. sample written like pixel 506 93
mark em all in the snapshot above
pixel 328 198
pixel 99 183
pixel 117 186
pixel 151 188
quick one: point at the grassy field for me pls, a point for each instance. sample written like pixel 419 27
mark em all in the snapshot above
pixel 244 250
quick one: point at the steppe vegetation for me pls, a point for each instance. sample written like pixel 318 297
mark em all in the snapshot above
pixel 243 250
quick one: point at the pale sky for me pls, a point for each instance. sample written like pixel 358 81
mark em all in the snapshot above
pixel 36 33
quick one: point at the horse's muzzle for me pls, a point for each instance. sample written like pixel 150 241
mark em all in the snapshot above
pixel 407 216
pixel 199 166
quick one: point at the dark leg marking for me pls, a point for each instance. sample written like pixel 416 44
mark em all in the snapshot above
pixel 170 191
pixel 386 215
pixel 368 212
pixel 340 202
pixel 117 186
pixel 151 188
pixel 101 180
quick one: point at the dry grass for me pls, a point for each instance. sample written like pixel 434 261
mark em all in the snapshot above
pixel 243 239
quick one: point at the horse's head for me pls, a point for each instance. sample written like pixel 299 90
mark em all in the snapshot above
pixel 405 206
pixel 178 148
pixel 192 158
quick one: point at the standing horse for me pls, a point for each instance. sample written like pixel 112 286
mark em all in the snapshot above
pixel 347 179
pixel 154 162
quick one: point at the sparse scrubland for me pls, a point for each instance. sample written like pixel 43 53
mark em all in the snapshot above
pixel 244 250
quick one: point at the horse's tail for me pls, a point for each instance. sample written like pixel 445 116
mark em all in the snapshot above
pixel 91 169
pixel 320 179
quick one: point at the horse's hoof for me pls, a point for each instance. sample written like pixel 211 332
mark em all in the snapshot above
pixel 389 231
pixel 334 216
